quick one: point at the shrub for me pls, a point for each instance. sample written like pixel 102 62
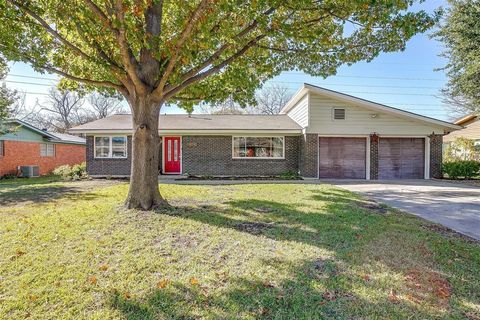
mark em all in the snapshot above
pixel 462 168
pixel 461 149
pixel 289 175
pixel 75 172
pixel 9 176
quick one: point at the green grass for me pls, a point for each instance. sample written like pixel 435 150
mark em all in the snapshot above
pixel 266 251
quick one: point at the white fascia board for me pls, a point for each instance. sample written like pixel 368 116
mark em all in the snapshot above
pixel 292 132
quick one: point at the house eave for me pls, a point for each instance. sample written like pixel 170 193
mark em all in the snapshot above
pixel 197 132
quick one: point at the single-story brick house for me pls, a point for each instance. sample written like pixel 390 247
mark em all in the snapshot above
pixel 319 134
pixel 27 145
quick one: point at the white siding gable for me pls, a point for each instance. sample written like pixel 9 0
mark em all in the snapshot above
pixel 299 113
pixel 359 120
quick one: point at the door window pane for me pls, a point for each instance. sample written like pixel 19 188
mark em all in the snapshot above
pixel 175 150
pixel 169 150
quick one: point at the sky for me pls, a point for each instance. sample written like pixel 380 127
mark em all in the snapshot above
pixel 405 80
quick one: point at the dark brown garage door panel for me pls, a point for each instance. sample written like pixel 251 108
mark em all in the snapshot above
pixel 401 158
pixel 342 158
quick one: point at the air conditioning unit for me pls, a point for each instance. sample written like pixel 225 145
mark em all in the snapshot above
pixel 29 171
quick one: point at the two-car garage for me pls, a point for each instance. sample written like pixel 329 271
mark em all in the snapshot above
pixel 349 158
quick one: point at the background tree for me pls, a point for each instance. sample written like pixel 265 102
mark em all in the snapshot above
pixel 268 100
pixel 459 32
pixel 104 105
pixel 271 99
pixel 157 51
pixel 60 111
pixel 7 96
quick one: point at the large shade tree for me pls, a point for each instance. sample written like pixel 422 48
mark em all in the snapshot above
pixel 155 52
pixel 460 34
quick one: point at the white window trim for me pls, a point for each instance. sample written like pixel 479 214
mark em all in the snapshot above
pixel 261 158
pixel 333 114
pixel 110 147
pixel 46 150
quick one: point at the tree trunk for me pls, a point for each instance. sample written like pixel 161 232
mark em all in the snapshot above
pixel 144 193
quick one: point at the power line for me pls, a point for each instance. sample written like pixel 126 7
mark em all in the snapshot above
pixel 364 92
pixel 31 77
pixel 372 77
pixel 288 72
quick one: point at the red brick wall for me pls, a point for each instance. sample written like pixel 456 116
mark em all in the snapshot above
pixel 20 153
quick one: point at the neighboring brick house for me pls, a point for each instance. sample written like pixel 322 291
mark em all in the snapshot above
pixel 318 134
pixel 26 145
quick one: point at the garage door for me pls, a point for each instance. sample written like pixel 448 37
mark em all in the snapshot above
pixel 401 158
pixel 342 158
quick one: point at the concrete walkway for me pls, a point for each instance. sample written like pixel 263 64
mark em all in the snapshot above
pixel 453 205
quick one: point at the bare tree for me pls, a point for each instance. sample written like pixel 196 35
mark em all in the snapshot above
pixel 229 106
pixel 105 105
pixel 60 111
pixel 271 99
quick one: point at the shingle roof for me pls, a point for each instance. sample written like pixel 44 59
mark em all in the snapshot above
pixel 52 136
pixel 68 137
pixel 196 122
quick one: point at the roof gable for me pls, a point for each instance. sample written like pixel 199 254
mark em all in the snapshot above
pixel 308 88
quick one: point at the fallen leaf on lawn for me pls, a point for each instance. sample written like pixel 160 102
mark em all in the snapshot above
pixel 127 295
pixel 263 311
pixel 93 280
pixel 103 267
pixel 193 281
pixel 393 296
pixel 366 277
pixel 472 316
pixel 330 295
pixel 163 283
pixel 33 298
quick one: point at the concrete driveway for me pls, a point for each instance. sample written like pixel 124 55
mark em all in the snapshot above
pixel 453 205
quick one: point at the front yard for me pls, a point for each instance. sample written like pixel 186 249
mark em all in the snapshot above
pixel 268 251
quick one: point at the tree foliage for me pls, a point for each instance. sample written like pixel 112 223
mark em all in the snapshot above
pixel 460 34
pixel 461 149
pixel 7 96
pixel 185 51
pixel 200 50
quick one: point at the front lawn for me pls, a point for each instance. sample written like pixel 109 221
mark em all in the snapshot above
pixel 263 251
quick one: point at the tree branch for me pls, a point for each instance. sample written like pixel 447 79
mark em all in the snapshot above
pixel 129 61
pixel 192 72
pixel 51 31
pixel 212 70
pixel 108 84
pixel 181 41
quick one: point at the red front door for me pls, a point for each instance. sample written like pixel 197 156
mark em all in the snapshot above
pixel 171 155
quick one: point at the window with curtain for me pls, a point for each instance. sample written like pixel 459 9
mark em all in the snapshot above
pixel 2 148
pixel 258 147
pixel 111 147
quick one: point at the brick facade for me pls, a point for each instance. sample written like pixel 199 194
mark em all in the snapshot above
pixel 373 157
pixel 436 155
pixel 23 153
pixel 308 155
pixel 212 155
pixel 108 167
